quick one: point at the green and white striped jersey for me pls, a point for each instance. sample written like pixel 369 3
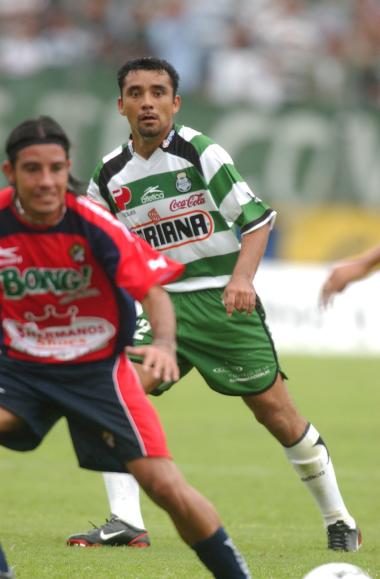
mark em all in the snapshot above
pixel 185 200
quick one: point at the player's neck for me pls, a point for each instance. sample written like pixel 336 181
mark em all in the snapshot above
pixel 146 147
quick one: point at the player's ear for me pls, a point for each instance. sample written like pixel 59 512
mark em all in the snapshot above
pixel 120 105
pixel 177 103
pixel 8 171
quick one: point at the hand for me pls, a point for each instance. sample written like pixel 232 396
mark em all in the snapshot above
pixel 159 358
pixel 339 278
pixel 239 295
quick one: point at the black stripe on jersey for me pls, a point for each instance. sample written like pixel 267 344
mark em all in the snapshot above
pixel 181 148
pixel 252 224
pixel 9 224
pixel 109 169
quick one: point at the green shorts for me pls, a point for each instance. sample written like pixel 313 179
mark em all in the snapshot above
pixel 235 355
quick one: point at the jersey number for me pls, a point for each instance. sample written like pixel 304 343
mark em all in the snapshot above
pixel 142 327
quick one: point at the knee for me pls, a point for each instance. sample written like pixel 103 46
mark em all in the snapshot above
pixel 163 490
pixel 270 413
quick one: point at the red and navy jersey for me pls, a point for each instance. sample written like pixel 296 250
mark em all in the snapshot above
pixel 67 291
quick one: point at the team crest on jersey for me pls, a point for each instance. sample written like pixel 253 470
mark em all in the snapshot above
pixel 183 183
pixel 122 197
pixel 77 253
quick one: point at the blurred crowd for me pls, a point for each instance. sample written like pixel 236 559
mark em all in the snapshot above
pixel 266 52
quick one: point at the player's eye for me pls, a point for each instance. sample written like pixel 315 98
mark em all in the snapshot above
pixel 134 93
pixel 31 168
pixel 58 167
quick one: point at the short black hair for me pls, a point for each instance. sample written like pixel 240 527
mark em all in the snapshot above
pixel 148 63
pixel 40 130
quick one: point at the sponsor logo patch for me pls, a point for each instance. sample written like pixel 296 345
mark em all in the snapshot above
pixel 192 201
pixel 151 194
pixel 177 230
pixel 121 197
pixel 8 256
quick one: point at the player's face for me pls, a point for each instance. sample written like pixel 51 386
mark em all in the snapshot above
pixel 40 175
pixel 149 103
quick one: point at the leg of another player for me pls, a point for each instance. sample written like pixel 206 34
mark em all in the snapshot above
pixel 303 447
pixel 123 494
pixel 124 501
pixel 122 489
pixel 193 515
pixel 5 570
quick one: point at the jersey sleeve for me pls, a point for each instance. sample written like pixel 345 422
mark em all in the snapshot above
pixel 236 201
pixel 141 267
pixel 129 261
pixel 93 193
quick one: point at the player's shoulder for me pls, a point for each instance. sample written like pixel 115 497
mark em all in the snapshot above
pixel 112 161
pixel 206 149
pixel 6 195
pixel 92 212
pixel 196 138
pixel 86 206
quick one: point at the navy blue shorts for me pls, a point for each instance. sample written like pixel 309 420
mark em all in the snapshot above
pixel 110 418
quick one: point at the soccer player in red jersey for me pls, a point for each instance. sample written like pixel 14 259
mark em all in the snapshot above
pixel 69 277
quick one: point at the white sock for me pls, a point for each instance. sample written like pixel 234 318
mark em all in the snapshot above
pixel 312 462
pixel 124 497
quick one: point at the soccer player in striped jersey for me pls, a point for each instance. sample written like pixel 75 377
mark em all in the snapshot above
pixel 180 191
pixel 69 275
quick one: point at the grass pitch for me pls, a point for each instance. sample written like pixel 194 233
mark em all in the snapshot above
pixel 232 460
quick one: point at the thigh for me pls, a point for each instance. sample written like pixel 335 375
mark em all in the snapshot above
pixel 111 420
pixel 33 415
pixel 9 421
pixel 234 354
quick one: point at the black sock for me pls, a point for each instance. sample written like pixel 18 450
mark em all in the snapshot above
pixel 3 562
pixel 221 557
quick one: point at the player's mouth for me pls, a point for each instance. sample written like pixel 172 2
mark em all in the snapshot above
pixel 148 118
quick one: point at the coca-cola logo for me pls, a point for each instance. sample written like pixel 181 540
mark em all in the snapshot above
pixel 184 203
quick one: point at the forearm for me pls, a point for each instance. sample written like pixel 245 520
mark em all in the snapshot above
pixel 370 259
pixel 160 312
pixel 253 247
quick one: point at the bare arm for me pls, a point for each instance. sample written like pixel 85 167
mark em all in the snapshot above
pixel 347 271
pixel 160 356
pixel 239 293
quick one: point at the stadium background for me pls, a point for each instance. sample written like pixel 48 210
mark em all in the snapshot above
pixel 291 88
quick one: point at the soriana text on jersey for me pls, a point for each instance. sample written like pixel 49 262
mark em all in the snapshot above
pixel 176 230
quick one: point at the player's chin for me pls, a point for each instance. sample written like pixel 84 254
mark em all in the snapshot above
pixel 149 131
